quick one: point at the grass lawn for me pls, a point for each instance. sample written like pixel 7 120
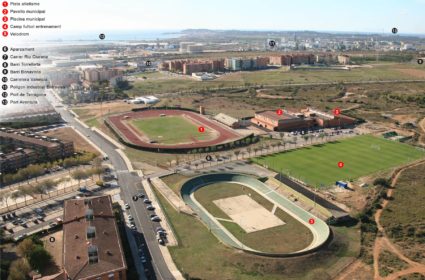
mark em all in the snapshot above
pixel 208 194
pixel 170 130
pixel 362 155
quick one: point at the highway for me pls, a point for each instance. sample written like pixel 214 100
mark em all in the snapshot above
pixel 130 184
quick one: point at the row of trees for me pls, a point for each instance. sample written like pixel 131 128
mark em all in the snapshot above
pixel 264 146
pixel 35 170
pixel 45 187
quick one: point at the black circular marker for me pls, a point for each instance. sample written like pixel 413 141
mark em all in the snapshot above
pixel 5 65
pixel 4 79
pixel 5 57
pixel 102 36
pixel 420 61
pixel 4 87
pixel 394 30
pixel 4 94
pixel 5 48
pixel 272 43
pixel 208 158
pixel 4 102
pixel 52 239
pixel 148 63
pixel 5 71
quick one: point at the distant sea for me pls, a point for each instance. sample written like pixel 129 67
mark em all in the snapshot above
pixel 110 37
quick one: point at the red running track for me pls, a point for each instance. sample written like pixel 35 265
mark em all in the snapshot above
pixel 225 134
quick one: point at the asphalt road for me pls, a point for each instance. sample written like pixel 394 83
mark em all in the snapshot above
pixel 130 184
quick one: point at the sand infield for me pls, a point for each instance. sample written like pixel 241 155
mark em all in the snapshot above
pixel 247 213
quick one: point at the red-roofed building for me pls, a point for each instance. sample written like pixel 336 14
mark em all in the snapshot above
pixel 92 249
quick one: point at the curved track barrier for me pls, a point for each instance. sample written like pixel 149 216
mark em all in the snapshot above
pixel 320 230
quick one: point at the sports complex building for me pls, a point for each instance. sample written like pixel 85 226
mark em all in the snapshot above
pixel 296 120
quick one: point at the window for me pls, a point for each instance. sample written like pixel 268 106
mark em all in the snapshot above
pixel 89 214
pixel 93 257
pixel 111 275
pixel 91 232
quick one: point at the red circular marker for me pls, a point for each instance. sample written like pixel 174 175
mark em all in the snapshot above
pixel 5 11
pixel 5 33
pixel 337 111
pixel 340 164
pixel 5 26
pixel 201 129
pixel 311 221
pixel 279 112
pixel 5 19
pixel 5 4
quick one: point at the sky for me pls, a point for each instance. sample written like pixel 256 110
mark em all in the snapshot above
pixel 317 15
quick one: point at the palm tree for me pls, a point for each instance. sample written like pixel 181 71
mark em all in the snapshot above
pixel 237 152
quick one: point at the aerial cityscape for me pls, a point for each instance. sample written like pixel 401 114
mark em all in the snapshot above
pixel 230 141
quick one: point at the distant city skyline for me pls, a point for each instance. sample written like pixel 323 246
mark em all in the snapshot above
pixel 374 16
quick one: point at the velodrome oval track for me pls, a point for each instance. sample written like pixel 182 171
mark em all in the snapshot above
pixel 320 230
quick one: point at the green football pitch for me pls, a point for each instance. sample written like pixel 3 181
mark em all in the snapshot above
pixel 361 155
pixel 170 130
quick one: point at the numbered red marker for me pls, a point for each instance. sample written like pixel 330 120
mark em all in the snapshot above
pixel 5 4
pixel 5 26
pixel 311 221
pixel 340 164
pixel 5 19
pixel 201 129
pixel 337 111
pixel 5 33
pixel 279 112
pixel 5 11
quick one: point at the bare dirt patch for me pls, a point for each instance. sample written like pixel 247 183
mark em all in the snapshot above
pixel 247 213
pixel 69 134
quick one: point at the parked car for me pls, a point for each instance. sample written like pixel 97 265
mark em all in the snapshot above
pixel 141 195
pixel 130 218
pixel 161 241
pixel 143 258
pixel 150 208
pixel 52 224
pixel 39 211
pixel 126 206
pixel 147 201
pixel 155 219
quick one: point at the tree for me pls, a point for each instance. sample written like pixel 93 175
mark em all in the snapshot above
pixel 237 152
pixel 79 175
pixel 15 195
pixel 48 185
pixel 25 191
pixel 19 270
pixel 25 248
pixel 39 258
pixel 4 197
pixel 39 189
